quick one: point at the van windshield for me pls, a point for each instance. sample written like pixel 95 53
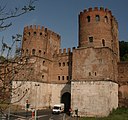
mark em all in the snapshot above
pixel 55 107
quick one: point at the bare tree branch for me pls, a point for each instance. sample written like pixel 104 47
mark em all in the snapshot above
pixel 8 72
pixel 16 12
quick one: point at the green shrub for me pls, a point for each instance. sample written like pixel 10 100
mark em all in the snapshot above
pixel 118 114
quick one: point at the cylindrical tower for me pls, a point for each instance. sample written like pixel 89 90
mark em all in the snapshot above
pixel 94 68
pixel 98 28
pixel 40 41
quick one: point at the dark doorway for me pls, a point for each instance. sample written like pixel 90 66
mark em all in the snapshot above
pixel 66 99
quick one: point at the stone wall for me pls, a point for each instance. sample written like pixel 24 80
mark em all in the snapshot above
pixel 94 98
pixel 62 67
pixel 57 90
pixel 35 69
pixel 41 95
pixel 94 64
pixel 123 83
pixel 88 73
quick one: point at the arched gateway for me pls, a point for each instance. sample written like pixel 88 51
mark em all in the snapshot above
pixel 66 99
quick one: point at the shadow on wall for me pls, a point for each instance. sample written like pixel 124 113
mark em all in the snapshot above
pixel 66 97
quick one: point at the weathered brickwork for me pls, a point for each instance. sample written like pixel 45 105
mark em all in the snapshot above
pixel 94 65
pixel 40 41
pixel 123 83
pixel 84 78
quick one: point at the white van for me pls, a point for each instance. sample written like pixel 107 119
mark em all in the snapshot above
pixel 58 108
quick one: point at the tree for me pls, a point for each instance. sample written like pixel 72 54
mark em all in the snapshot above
pixel 123 50
pixel 16 12
pixel 6 62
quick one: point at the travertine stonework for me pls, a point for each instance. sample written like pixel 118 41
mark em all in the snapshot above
pixel 97 98
pixel 84 78
pixel 41 95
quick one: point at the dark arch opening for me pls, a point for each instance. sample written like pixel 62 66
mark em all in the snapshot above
pixel 106 19
pixel 97 18
pixel 66 99
pixel 103 42
pixel 88 18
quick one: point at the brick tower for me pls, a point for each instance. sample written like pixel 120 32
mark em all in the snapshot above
pixel 84 78
pixel 98 28
pixel 95 64
pixel 40 41
pixel 39 46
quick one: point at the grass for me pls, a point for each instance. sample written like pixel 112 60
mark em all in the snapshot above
pixel 118 114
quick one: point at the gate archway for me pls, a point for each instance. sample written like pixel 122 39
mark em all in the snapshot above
pixel 66 99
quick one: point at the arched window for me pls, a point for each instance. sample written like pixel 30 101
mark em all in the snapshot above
pixel 103 42
pixel 39 52
pixel 58 77
pixel 43 62
pixel 106 19
pixel 34 33
pixel 40 33
pixel 97 18
pixel 26 51
pixel 89 73
pixel 33 51
pixel 63 63
pixel 91 39
pixel 42 76
pixel 88 18
pixel 95 73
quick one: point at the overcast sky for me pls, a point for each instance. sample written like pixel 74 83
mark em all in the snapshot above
pixel 61 16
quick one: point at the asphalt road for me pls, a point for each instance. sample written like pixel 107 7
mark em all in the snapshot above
pixel 41 115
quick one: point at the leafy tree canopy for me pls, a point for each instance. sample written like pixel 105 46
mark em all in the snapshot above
pixel 123 46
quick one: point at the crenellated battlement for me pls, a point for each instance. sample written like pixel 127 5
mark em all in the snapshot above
pixel 93 67
pixel 101 9
pixel 39 41
pixel 114 19
pixel 65 51
pixel 96 9
pixel 34 27
pixel 40 29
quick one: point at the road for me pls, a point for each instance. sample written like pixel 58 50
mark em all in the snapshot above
pixel 41 115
